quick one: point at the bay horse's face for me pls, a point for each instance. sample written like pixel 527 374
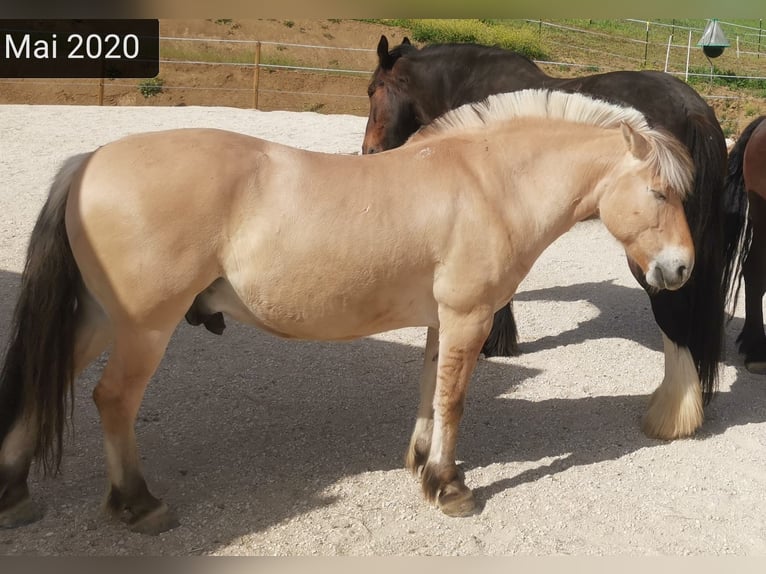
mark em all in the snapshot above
pixel 647 216
pixel 393 117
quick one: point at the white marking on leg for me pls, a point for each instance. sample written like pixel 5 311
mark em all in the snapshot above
pixel 675 409
pixel 422 432
pixel 437 436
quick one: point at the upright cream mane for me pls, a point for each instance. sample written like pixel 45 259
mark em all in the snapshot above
pixel 668 158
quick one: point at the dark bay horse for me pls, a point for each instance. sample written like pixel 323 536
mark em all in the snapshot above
pixel 411 86
pixel 319 246
pixel 747 173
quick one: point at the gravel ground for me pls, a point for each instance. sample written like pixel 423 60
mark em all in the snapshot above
pixel 270 447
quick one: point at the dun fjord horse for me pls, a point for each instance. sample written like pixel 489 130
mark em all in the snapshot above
pixel 747 173
pixel 317 246
pixel 412 86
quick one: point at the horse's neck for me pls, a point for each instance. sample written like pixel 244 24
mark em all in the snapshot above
pixel 561 185
pixel 476 81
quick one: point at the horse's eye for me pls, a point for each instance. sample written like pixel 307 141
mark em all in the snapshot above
pixel 659 195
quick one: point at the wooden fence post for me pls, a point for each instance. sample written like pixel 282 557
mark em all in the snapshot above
pixel 256 74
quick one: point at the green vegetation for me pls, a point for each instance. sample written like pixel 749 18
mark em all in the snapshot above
pixel 728 78
pixel 489 32
pixel 151 87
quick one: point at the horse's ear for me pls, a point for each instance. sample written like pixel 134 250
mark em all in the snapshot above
pixel 406 40
pixel 384 58
pixel 637 144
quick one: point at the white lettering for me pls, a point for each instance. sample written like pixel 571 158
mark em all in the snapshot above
pixel 12 51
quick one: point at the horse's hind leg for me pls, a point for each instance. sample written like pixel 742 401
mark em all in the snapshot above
pixel 752 340
pixel 420 443
pixel 136 355
pixel 16 506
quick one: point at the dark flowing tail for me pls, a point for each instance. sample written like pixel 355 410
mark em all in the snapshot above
pixel 36 377
pixel 503 338
pixel 736 214
pixel 715 241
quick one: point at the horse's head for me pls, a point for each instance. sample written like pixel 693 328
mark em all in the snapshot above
pixel 393 117
pixel 643 207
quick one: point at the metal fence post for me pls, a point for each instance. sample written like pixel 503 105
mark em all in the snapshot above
pixel 667 54
pixel 646 47
pixel 688 55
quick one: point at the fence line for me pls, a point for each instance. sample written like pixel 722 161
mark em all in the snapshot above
pixel 742 40
pixel 267 42
pixel 268 66
pixel 573 29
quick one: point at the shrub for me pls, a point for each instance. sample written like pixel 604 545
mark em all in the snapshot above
pixel 524 41
pixel 151 87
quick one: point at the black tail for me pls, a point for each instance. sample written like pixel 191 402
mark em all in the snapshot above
pixel 503 338
pixel 36 378
pixel 713 269
pixel 736 214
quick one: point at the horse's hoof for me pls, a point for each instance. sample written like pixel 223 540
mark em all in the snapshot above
pixel 26 511
pixel 155 521
pixel 457 500
pixel 756 367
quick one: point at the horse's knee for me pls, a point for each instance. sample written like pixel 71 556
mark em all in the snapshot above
pixel 107 398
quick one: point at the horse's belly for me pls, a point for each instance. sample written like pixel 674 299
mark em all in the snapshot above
pixel 322 315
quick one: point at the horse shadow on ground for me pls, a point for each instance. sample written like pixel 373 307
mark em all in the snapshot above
pixel 243 432
pixel 623 312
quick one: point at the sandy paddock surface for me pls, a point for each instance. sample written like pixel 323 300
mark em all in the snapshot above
pixel 265 446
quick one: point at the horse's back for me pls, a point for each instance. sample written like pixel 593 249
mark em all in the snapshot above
pixel 153 198
pixel 154 219
pixel 665 100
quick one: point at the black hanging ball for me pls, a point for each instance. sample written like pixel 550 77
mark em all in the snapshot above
pixel 713 51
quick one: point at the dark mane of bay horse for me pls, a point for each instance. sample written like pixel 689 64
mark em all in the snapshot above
pixel 735 181
pixel 424 83
pixel 751 258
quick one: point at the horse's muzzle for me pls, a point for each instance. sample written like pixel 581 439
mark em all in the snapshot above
pixel 670 269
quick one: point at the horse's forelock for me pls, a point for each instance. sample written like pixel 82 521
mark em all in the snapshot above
pixel 670 160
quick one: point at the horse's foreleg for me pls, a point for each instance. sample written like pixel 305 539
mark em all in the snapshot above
pixel 752 340
pixel 420 443
pixel 135 357
pixel 460 339
pixel 675 409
